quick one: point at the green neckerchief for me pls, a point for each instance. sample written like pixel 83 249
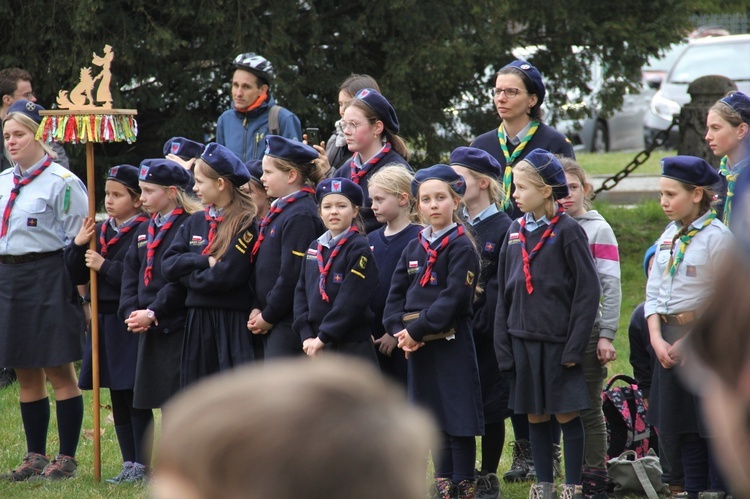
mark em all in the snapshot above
pixel 684 241
pixel 509 159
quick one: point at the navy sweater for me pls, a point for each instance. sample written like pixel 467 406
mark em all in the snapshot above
pixel 226 285
pixel 371 223
pixel 566 294
pixel 166 299
pixel 387 251
pixel 488 236
pixel 109 282
pixel 350 286
pixel 545 137
pixel 280 257
pixel 445 300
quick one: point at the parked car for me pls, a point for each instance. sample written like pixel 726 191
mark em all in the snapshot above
pixel 622 129
pixel 657 67
pixel 725 55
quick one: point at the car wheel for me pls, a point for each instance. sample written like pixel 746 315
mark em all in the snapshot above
pixel 600 142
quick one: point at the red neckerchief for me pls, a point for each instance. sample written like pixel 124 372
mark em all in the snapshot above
pixel 123 230
pixel 17 184
pixel 325 269
pixel 432 254
pixel 527 257
pixel 356 176
pixel 153 242
pixel 275 211
pixel 213 224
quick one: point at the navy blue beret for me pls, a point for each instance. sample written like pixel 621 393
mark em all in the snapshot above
pixel 30 109
pixel 650 252
pixel 183 148
pixel 290 150
pixel 550 169
pixel 226 163
pixel 380 106
pixel 164 172
pixel 534 75
pixel 127 175
pixel 689 169
pixel 477 160
pixel 255 169
pixel 740 103
pixel 439 172
pixel 342 186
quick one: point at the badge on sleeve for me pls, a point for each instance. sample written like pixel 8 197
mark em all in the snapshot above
pixel 489 247
pixel 363 262
pixel 469 278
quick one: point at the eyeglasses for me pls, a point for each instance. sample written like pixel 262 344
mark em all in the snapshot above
pixel 509 92
pixel 346 125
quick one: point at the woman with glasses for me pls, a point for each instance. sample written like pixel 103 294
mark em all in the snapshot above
pixel 371 126
pixel 518 96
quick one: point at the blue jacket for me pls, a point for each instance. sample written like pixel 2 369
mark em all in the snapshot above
pixel 244 133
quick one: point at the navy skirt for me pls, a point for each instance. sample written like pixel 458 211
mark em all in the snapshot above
pixel 672 408
pixel 541 384
pixel 157 368
pixel 41 320
pixel 215 340
pixel 118 352
pixel 281 341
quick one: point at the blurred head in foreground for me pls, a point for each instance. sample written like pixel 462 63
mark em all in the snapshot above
pixel 328 429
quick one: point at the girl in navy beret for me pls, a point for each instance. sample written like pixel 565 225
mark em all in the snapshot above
pixel 728 135
pixel 291 224
pixel 548 301
pixel 393 205
pixel 429 310
pixel 518 94
pixel 482 211
pixel 336 150
pixel 371 129
pixel 210 256
pixel 688 254
pixel 118 349
pixel 256 190
pixel 338 278
pixel 152 307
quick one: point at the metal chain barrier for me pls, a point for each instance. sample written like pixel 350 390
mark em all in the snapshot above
pixel 659 139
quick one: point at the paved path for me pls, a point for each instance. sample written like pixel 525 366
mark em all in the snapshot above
pixel 631 190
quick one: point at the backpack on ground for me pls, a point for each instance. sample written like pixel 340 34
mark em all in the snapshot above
pixel 625 417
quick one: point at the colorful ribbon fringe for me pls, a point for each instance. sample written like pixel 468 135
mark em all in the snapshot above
pixel 82 128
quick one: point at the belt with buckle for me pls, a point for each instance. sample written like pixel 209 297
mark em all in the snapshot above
pixel 679 319
pixel 29 257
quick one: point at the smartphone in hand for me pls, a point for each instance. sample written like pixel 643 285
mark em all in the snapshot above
pixel 313 136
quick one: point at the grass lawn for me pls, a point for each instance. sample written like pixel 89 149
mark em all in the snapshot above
pixel 635 229
pixel 613 162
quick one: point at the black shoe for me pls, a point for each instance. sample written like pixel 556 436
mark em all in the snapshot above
pixel 7 377
pixel 488 486
pixel 522 462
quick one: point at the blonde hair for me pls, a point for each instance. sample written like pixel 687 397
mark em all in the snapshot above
pixel 394 179
pixel 310 172
pixel 238 214
pixel 494 187
pixel 33 127
pixel 535 179
pixel 389 135
pixel 275 424
pixel 572 167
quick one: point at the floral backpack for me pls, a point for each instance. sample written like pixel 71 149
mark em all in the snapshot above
pixel 625 416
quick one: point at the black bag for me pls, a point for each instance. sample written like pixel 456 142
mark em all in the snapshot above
pixel 625 416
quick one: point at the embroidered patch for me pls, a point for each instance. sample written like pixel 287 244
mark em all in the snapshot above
pixel 513 238
pixel 243 242
pixel 338 278
pixel 552 238
pixel 196 241
pixel 31 222
pixel 433 279
pixel 141 240
pixel 143 173
pixel 665 245
pixel 247 236
pixel 489 247
pixel 469 278
pixel 413 264
pixel 691 271
pixel 360 274
pixel 297 253
pixel 363 262
pixel 336 186
pixel 272 232
pixel 312 254
pixel 175 147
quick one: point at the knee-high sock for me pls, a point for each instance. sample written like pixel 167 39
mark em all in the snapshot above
pixel 35 417
pixel 540 436
pixel 69 421
pixel 574 438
